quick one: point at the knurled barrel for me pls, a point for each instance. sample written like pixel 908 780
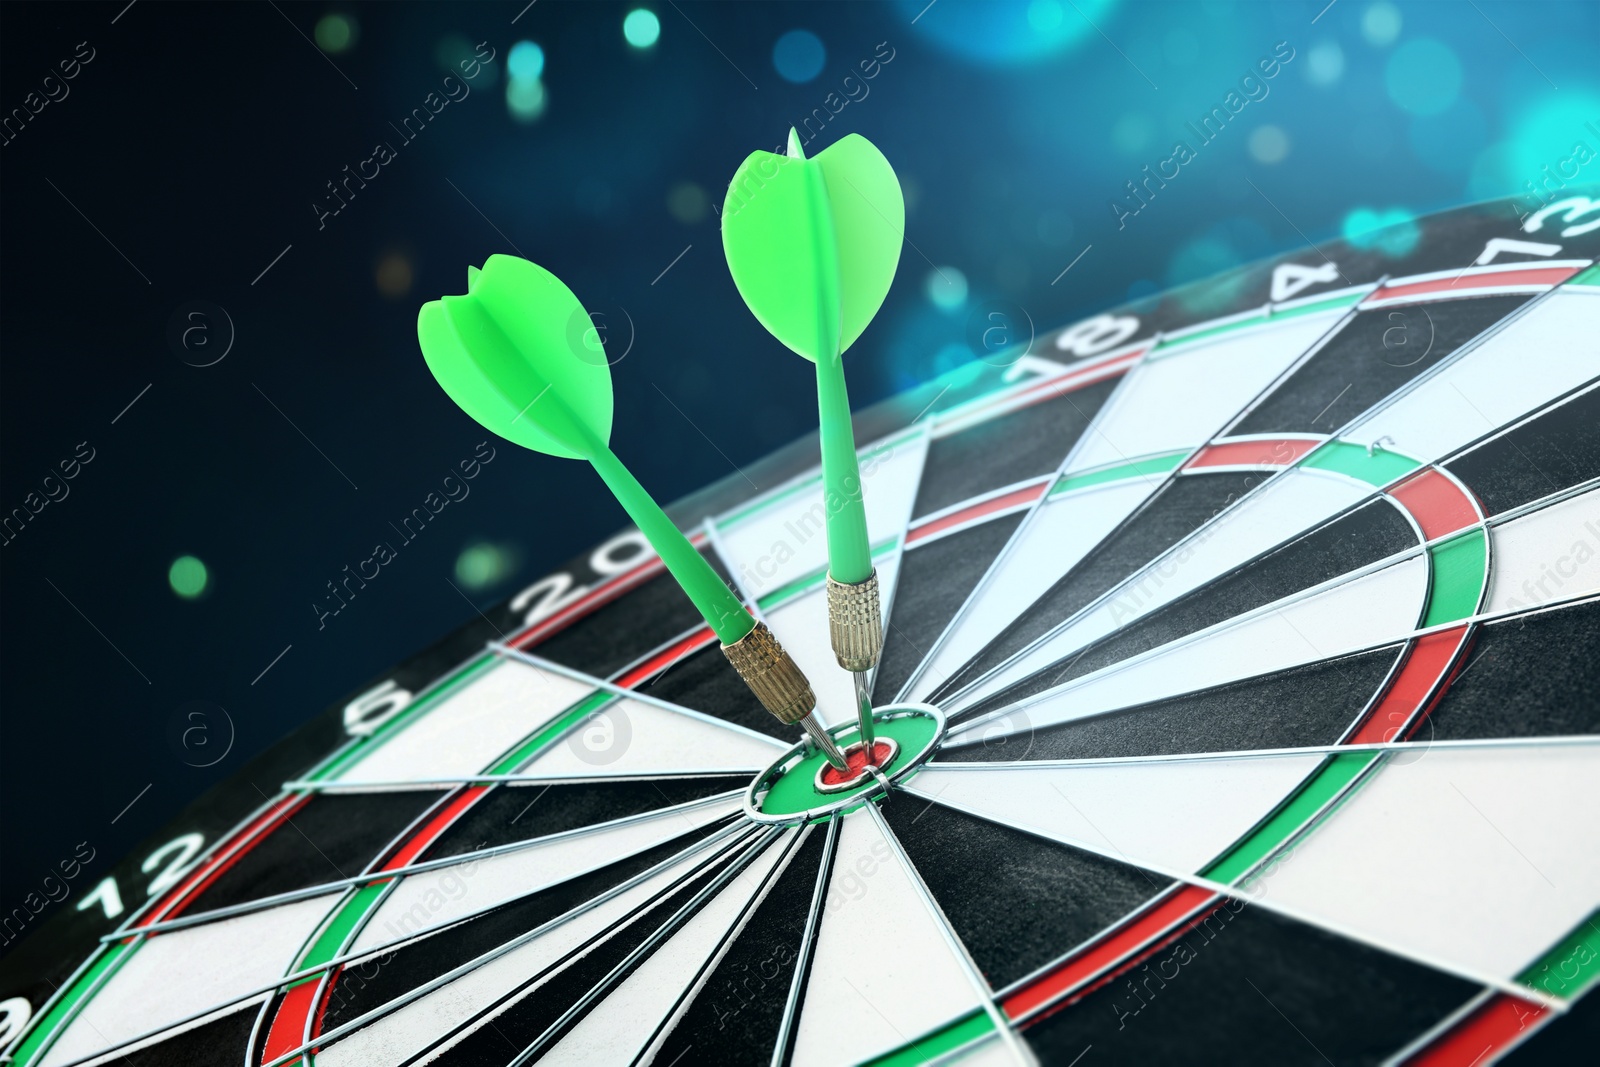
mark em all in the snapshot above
pixel 772 675
pixel 855 623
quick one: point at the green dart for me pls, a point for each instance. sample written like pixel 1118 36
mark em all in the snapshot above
pixel 519 354
pixel 812 245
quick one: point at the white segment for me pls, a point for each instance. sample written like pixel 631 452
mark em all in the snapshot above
pixel 1481 390
pixel 858 1012
pixel 438 897
pixel 801 626
pixel 786 540
pixel 397 1036
pixel 1051 542
pixel 469 729
pixel 1550 554
pixel 185 971
pixel 1179 398
pixel 1173 816
pixel 1481 858
pixel 631 737
pixel 620 1027
pixel 1358 613
pixel 1548 351
pixel 1274 515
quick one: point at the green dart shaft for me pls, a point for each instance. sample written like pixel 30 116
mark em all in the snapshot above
pixel 849 553
pixel 712 598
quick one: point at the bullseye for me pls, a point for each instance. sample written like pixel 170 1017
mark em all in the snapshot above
pixel 862 767
pixel 801 786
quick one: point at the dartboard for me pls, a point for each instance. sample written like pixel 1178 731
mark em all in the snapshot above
pixel 1241 675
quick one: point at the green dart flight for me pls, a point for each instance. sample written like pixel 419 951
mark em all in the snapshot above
pixel 813 245
pixel 518 353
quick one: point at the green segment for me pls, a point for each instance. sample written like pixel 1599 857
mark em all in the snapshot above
pixel 812 581
pixel 444 688
pixel 937 1043
pixel 1336 773
pixel 1589 276
pixel 796 789
pixel 805 485
pixel 1204 333
pixel 1157 464
pixel 1571 966
pixel 551 733
pixel 44 1029
pixel 1458 577
pixel 1375 468
pixel 341 928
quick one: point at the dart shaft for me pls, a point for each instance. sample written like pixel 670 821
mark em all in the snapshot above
pixel 849 554
pixel 712 598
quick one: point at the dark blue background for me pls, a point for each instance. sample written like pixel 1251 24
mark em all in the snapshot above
pixel 198 138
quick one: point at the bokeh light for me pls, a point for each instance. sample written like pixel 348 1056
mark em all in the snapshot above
pixel 525 61
pixel 525 99
pixel 1391 231
pixel 1004 32
pixel 483 564
pixel 335 33
pixel 799 56
pixel 394 274
pixel 1268 144
pixel 1324 63
pixel 688 203
pixel 188 577
pixel 641 28
pixel 1380 24
pixel 1045 15
pixel 1423 76
pixel 947 288
pixel 454 50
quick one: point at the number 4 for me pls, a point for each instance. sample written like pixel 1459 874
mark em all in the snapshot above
pixel 1289 279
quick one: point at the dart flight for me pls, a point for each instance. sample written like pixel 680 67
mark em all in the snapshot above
pixel 518 353
pixel 812 245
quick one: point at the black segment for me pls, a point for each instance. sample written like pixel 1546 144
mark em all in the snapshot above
pixel 1310 705
pixel 533 1015
pixel 934 582
pixel 735 1016
pixel 1007 449
pixel 1528 676
pixel 1370 533
pixel 1246 986
pixel 219 1041
pixel 1375 353
pixel 377 981
pixel 333 836
pixel 1569 1038
pixel 1177 509
pixel 707 682
pixel 1016 901
pixel 1558 449
pixel 617 634
pixel 517 813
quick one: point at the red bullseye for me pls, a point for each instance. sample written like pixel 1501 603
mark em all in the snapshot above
pixel 832 780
